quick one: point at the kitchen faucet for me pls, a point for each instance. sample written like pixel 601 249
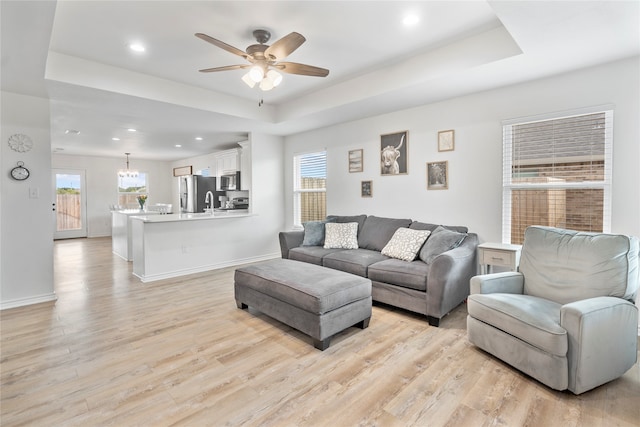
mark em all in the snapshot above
pixel 208 200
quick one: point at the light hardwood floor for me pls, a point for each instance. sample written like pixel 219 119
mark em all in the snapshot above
pixel 115 351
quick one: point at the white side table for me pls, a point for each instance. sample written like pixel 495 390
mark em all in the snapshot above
pixel 499 254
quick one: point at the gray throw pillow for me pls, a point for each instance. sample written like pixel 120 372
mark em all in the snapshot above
pixel 440 241
pixel 314 233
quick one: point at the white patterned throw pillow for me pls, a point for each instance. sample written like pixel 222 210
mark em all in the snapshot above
pixel 341 235
pixel 405 243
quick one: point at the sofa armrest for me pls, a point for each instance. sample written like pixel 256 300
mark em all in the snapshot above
pixel 506 283
pixel 289 240
pixel 448 279
pixel 603 340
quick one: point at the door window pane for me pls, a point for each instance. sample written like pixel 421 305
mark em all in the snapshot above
pixel 68 202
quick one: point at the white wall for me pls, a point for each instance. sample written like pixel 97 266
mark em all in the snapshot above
pixel 266 198
pixel 474 196
pixel 26 224
pixel 102 184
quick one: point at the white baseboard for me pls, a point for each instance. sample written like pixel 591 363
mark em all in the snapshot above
pixel 178 273
pixel 21 302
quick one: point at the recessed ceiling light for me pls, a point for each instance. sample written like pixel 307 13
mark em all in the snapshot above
pixel 131 130
pixel 410 20
pixel 198 138
pixel 178 145
pixel 72 132
pixel 136 47
pixel 115 139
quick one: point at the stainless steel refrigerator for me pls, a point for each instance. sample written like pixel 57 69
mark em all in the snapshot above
pixel 193 192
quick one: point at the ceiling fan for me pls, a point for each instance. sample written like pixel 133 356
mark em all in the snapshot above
pixel 264 60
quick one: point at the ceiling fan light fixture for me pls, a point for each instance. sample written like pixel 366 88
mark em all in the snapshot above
pixel 266 84
pixel 247 79
pixel 275 77
pixel 256 73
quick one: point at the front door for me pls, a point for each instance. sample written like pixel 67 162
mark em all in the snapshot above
pixel 70 204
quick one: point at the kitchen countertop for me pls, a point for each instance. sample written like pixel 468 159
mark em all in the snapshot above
pixel 202 216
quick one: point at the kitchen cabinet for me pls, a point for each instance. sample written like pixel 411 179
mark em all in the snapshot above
pixel 227 162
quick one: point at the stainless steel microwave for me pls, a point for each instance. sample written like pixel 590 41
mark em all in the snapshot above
pixel 230 182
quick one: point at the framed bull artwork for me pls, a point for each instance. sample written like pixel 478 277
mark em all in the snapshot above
pixel 394 149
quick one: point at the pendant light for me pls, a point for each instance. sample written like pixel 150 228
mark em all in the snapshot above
pixel 128 173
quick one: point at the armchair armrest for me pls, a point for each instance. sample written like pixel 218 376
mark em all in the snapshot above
pixel 509 282
pixel 603 340
pixel 289 240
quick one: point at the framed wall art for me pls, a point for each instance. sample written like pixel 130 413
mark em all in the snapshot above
pixel 438 175
pixel 355 161
pixel 394 153
pixel 366 189
pixel 183 170
pixel 446 140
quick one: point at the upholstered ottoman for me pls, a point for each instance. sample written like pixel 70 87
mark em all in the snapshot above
pixel 315 300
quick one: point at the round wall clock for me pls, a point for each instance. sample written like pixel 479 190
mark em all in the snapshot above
pixel 20 143
pixel 20 173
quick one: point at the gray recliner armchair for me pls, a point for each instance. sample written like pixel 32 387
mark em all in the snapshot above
pixel 567 318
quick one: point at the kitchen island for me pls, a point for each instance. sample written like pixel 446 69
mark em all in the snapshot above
pixel 121 240
pixel 166 246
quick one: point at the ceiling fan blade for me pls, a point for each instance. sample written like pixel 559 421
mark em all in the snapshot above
pixel 222 45
pixel 283 47
pixel 225 68
pixel 302 69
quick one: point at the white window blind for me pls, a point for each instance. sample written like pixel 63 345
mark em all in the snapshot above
pixel 309 187
pixel 557 172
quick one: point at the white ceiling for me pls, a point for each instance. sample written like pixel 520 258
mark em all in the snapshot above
pixel 75 53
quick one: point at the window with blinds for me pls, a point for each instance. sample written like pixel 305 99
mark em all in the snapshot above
pixel 309 187
pixel 557 172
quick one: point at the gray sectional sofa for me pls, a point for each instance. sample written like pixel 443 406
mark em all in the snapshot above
pixel 433 284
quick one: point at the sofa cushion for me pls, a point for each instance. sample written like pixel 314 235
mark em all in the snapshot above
pixel 354 261
pixel 405 244
pixel 314 233
pixel 310 254
pixel 440 241
pixel 531 319
pixel 412 275
pixel 341 236
pixel 567 266
pixel 352 218
pixel 417 225
pixel 376 231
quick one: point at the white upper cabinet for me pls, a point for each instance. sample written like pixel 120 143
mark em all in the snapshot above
pixel 227 162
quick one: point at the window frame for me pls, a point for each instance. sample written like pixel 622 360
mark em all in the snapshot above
pixel 124 194
pixel 297 179
pixel 507 169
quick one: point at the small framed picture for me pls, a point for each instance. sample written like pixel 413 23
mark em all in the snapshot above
pixel 446 140
pixel 438 175
pixel 366 188
pixel 355 161
pixel 184 170
pixel 393 153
